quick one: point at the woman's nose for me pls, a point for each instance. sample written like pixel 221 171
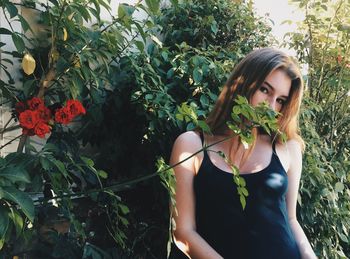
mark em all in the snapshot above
pixel 272 103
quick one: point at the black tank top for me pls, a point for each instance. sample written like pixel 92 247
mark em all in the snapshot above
pixel 261 230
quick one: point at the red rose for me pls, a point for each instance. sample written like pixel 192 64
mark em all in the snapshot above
pixel 63 116
pixel 28 119
pixel 20 107
pixel 35 103
pixel 44 114
pixel 41 129
pixel 75 107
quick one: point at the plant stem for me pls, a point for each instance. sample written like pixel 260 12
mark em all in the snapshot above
pixel 8 143
pixel 127 184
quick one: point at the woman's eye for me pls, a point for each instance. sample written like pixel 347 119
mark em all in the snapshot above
pixel 263 89
pixel 281 101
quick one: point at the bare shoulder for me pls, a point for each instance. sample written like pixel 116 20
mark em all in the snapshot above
pixel 186 144
pixel 290 153
pixel 294 146
pixel 189 141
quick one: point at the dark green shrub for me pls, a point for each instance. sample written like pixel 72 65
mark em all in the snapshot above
pixel 138 122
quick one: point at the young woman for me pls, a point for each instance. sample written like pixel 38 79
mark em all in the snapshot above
pixel 210 221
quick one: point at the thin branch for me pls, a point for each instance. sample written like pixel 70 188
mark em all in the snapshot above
pixel 6 124
pixel 127 184
pixel 8 143
pixel 8 21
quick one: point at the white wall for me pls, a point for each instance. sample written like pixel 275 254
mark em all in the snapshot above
pixel 5 110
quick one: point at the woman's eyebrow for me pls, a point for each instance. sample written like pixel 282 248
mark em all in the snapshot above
pixel 273 89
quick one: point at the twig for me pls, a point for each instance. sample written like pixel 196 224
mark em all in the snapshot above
pixel 127 184
pixel 7 123
pixel 8 143
pixel 9 23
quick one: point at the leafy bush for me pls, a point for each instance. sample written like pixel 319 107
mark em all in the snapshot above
pixel 132 85
pixel 54 196
pixel 323 43
pixel 148 89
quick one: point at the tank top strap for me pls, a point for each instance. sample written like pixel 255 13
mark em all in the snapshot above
pixel 274 147
pixel 202 137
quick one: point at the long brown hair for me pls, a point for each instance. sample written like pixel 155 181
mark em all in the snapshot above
pixel 246 79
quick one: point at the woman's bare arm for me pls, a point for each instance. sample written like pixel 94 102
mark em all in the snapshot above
pixel 186 237
pixel 294 174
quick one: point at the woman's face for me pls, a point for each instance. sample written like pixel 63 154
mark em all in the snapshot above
pixel 274 90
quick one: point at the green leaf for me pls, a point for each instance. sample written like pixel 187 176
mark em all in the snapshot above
pixel 2 161
pixel 170 73
pixel 236 180
pixel 124 221
pixel 7 92
pixel 140 45
pixel 17 220
pixel 15 174
pixel 141 31
pixel 214 27
pixel 243 201
pixel 24 23
pixel 339 187
pixel 124 209
pixel 102 174
pixel 60 166
pixel 244 191
pixel 153 5
pixel 179 117
pixel 84 12
pixel 174 2
pixel 156 40
pixel 242 182
pixel 197 75
pixel 45 163
pixel 125 12
pixel 89 162
pixel 28 87
pixel 204 100
pixel 4 221
pixel 234 128
pixel 12 9
pixel 343 237
pixel 165 55
pixel 204 126
pixel 21 198
pixel 19 43
pixel 105 4
pixel 62 64
pixel 236 109
pixel 7 60
pixel 97 8
pixel 5 31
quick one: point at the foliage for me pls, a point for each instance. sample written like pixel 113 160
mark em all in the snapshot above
pixel 141 110
pixel 67 54
pixel 131 79
pixel 323 43
pixel 200 24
